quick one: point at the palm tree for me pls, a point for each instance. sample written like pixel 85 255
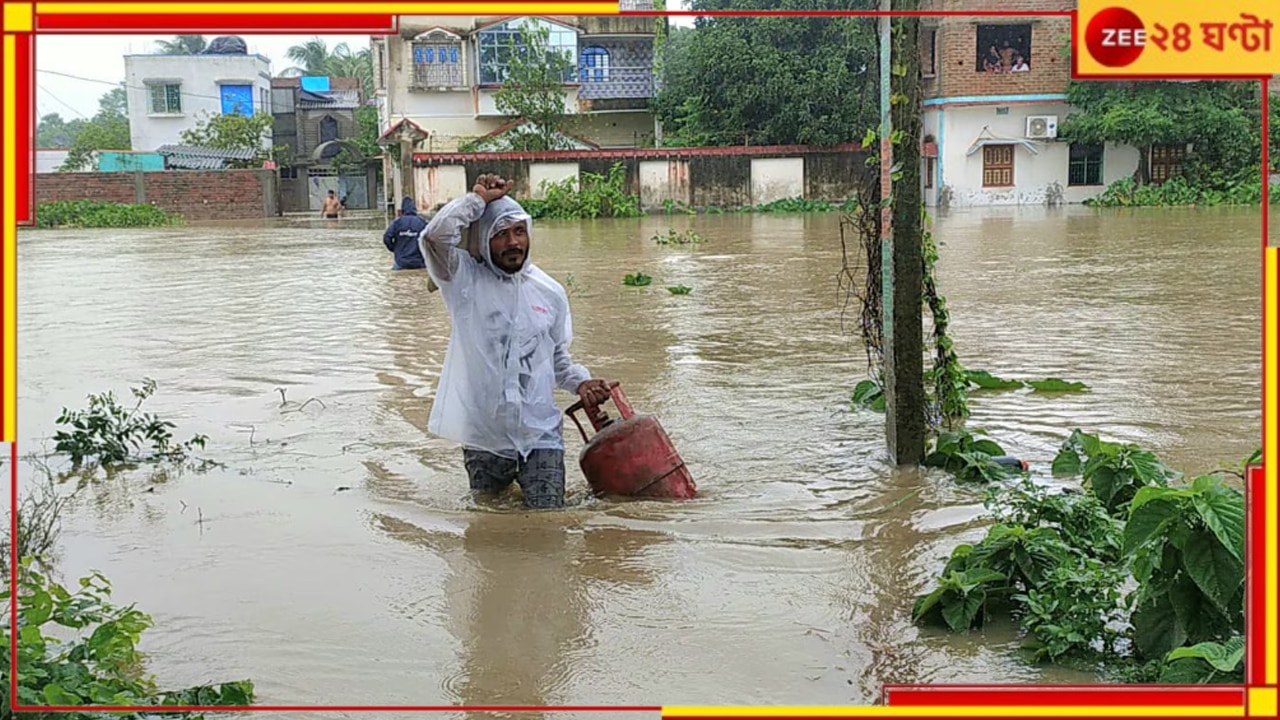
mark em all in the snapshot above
pixel 183 45
pixel 313 57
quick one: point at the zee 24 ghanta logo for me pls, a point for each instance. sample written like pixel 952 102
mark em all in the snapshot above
pixel 1116 37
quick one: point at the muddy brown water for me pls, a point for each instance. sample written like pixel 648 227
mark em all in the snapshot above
pixel 789 581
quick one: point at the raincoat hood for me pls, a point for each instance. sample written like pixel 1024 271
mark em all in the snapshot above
pixel 509 343
pixel 498 216
pixel 408 207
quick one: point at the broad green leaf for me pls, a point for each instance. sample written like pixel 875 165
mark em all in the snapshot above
pixel 1222 510
pixel 974 577
pixel 56 696
pixel 925 603
pixel 1187 671
pixel 989 447
pixel 1152 492
pixel 1155 629
pixel 1213 567
pixel 962 611
pixel 1146 521
pixel 1147 468
pixel 1224 657
pixel 1057 385
pixel 1066 463
pixel 1104 483
pixel 987 381
pixel 1189 603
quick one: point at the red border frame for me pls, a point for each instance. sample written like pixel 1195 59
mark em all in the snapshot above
pixel 898 695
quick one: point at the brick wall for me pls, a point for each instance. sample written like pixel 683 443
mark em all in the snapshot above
pixel 194 194
pixel 956 48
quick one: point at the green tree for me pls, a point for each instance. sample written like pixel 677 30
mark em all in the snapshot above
pixel 108 130
pixel 534 89
pixel 114 102
pixel 235 132
pixel 367 122
pixel 313 57
pixel 183 45
pixel 769 81
pixel 54 132
pixel 1221 120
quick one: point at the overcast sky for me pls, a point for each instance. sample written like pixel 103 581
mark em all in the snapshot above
pixel 96 64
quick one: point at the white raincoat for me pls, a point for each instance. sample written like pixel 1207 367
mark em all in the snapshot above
pixel 509 348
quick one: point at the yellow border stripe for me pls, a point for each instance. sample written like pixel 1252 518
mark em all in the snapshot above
pixel 1269 455
pixel 10 208
pixel 277 8
pixel 987 711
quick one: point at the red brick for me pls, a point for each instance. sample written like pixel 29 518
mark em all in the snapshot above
pixel 957 43
pixel 230 194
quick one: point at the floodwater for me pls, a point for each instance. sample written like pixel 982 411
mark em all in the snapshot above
pixel 337 560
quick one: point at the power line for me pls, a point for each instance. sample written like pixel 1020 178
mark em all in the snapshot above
pixel 60 101
pixel 144 88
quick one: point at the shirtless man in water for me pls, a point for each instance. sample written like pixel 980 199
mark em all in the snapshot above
pixel 331 207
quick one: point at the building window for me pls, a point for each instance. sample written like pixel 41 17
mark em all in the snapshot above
pixel 496 44
pixel 997 166
pixel 1166 162
pixel 929 52
pixel 264 101
pixel 328 129
pixel 288 173
pixel 930 168
pixel 1004 48
pixel 165 98
pixel 595 64
pixel 1084 166
pixel 437 60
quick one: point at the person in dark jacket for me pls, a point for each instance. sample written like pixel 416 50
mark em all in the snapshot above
pixel 401 237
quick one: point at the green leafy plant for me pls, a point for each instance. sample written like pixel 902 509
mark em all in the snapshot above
pixel 95 214
pixel 1186 546
pixel 1081 519
pixel 78 648
pixel 869 395
pixel 109 434
pixel 960 599
pixel 1066 557
pixel 670 207
pixel 679 289
pixel 586 197
pixel 688 237
pixel 637 279
pixel 968 456
pixel 949 404
pixel 1073 610
pixel 987 381
pixel 1113 471
pixel 1206 662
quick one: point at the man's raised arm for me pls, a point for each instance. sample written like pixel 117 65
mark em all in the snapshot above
pixel 440 239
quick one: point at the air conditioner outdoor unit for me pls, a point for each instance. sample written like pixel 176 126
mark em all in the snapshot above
pixel 1042 127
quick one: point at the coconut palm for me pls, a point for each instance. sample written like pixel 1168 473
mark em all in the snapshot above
pixel 183 45
pixel 313 57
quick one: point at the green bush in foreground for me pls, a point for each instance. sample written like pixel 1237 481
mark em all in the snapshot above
pixel 100 664
pixel 95 214
pixel 1137 571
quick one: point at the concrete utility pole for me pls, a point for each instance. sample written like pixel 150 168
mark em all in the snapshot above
pixel 901 244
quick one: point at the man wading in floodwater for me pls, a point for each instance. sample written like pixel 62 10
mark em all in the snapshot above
pixel 509 348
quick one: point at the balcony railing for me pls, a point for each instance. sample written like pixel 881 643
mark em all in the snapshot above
pixel 625 5
pixel 616 83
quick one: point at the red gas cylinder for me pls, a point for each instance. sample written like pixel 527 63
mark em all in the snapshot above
pixel 631 456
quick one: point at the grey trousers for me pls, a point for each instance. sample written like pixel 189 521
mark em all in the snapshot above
pixel 541 476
